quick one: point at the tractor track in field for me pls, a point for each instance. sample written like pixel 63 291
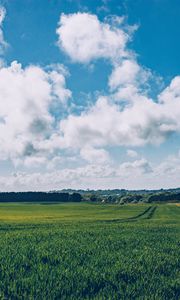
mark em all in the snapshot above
pixel 152 212
pixel 148 213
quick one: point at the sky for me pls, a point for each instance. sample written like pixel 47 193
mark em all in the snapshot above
pixel 89 94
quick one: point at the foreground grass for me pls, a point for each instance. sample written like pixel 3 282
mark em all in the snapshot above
pixel 86 251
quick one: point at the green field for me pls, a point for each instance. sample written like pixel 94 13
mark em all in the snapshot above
pixel 89 251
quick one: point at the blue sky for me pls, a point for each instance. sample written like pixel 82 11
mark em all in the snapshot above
pixel 89 94
pixel 34 23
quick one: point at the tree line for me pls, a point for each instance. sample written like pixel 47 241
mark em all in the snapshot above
pixel 124 197
pixel 136 197
pixel 39 197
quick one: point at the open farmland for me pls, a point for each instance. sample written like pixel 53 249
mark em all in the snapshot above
pixel 89 251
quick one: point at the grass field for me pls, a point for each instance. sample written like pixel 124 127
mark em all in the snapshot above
pixel 89 251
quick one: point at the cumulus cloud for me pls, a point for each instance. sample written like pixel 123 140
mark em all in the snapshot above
pixel 26 96
pixel 169 167
pixel 84 38
pixel 93 155
pixel 131 153
pixel 125 73
pixel 171 94
pixel 141 166
pixel 106 123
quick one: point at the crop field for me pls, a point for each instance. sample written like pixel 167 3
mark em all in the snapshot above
pixel 89 251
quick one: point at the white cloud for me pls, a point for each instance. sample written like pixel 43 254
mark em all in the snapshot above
pixel 34 161
pixel 26 96
pixel 131 153
pixel 171 93
pixel 169 167
pixel 140 166
pixel 125 73
pixel 84 38
pixel 93 155
pixel 141 122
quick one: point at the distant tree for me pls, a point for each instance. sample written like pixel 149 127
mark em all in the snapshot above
pixel 93 198
pixel 75 197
